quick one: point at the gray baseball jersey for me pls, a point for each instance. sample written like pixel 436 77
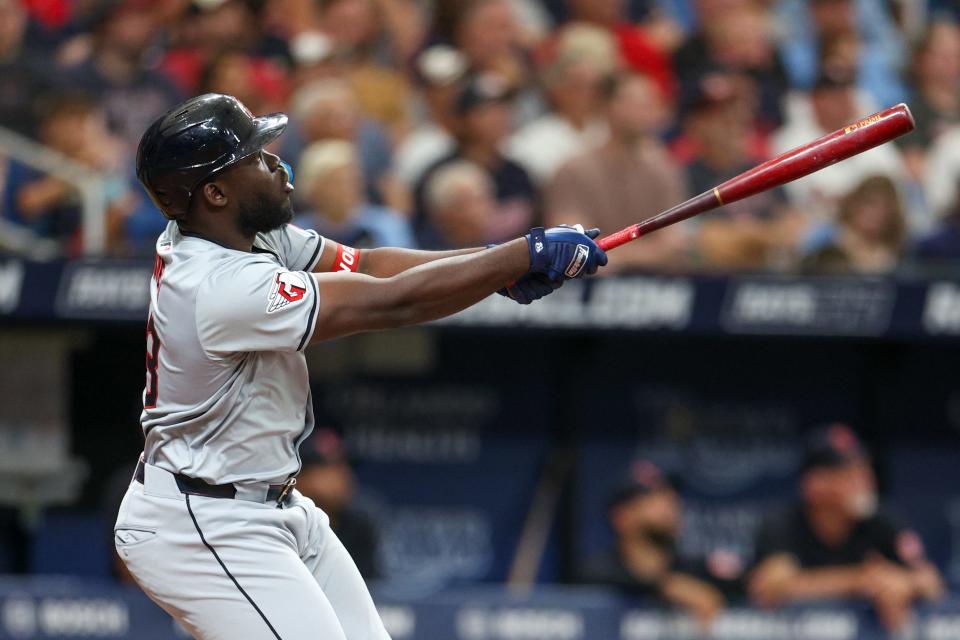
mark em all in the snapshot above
pixel 227 398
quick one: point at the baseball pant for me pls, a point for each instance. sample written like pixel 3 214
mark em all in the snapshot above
pixel 229 569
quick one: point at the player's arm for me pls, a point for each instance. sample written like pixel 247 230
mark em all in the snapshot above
pixel 380 263
pixel 355 302
pixel 390 261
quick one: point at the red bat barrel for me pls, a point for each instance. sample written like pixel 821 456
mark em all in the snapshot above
pixel 821 153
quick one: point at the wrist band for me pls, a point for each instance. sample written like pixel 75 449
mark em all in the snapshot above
pixel 348 259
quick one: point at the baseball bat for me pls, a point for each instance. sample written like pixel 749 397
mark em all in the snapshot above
pixel 832 148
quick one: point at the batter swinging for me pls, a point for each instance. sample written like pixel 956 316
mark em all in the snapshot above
pixel 212 527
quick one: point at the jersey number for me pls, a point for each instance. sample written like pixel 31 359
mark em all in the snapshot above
pixel 153 345
pixel 153 353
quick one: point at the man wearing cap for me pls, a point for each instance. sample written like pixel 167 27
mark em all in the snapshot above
pixel 836 544
pixel 439 71
pixel 327 479
pixel 211 527
pixel 483 120
pixel 645 515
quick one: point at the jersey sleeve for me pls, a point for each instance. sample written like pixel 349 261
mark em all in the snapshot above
pixel 299 249
pixel 256 306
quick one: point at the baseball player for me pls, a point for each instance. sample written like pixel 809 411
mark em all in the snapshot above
pixel 212 527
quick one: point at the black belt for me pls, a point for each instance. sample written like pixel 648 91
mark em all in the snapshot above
pixel 278 493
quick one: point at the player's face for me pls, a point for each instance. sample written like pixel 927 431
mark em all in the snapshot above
pixel 263 192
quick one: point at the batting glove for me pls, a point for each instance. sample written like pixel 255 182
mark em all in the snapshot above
pixel 530 287
pixel 564 252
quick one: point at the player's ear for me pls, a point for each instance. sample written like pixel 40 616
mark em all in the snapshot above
pixel 214 194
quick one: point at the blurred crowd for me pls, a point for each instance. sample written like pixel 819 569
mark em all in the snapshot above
pixel 449 123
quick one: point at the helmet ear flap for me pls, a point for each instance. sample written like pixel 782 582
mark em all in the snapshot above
pixel 163 197
pixel 165 202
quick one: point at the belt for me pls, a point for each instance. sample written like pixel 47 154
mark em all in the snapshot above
pixel 278 493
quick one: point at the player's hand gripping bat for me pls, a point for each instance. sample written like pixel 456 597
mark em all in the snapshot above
pixel 858 137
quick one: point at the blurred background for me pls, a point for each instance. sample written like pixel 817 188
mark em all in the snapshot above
pixel 746 428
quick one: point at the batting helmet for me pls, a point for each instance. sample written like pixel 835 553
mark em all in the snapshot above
pixel 195 140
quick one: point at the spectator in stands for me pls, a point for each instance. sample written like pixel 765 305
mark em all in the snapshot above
pixel 645 514
pixel 573 125
pixel 869 235
pixel 629 178
pixel 943 172
pixel 332 188
pixel 75 127
pixel 483 110
pixel 360 40
pixel 836 544
pixel 235 73
pixel 461 205
pixel 389 30
pixel 489 36
pixel 833 106
pixel 327 479
pixel 208 29
pixel 935 95
pixel 116 71
pixel 738 39
pixel 327 109
pixel 942 245
pixel 756 233
pixel 638 49
pixel 24 71
pixel 808 23
pixel 440 70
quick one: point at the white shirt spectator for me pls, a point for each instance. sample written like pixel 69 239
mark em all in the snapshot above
pixel 549 141
pixel 943 172
pixel 419 150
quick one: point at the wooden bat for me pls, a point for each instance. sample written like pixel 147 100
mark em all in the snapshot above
pixel 832 148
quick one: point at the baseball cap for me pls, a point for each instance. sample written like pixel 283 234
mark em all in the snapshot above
pixel 642 477
pixel 323 446
pixel 311 47
pixel 832 446
pixel 708 91
pixel 440 66
pixel 482 89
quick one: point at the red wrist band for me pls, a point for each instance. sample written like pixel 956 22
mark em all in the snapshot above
pixel 348 259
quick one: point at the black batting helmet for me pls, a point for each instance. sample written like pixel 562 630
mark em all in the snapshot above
pixel 194 140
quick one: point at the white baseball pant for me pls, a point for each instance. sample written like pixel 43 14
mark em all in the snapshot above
pixel 230 569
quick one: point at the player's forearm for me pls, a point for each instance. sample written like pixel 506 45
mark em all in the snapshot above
pixel 390 261
pixel 442 287
pixel 351 302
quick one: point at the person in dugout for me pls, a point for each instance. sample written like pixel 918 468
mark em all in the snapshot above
pixel 644 561
pixel 837 543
